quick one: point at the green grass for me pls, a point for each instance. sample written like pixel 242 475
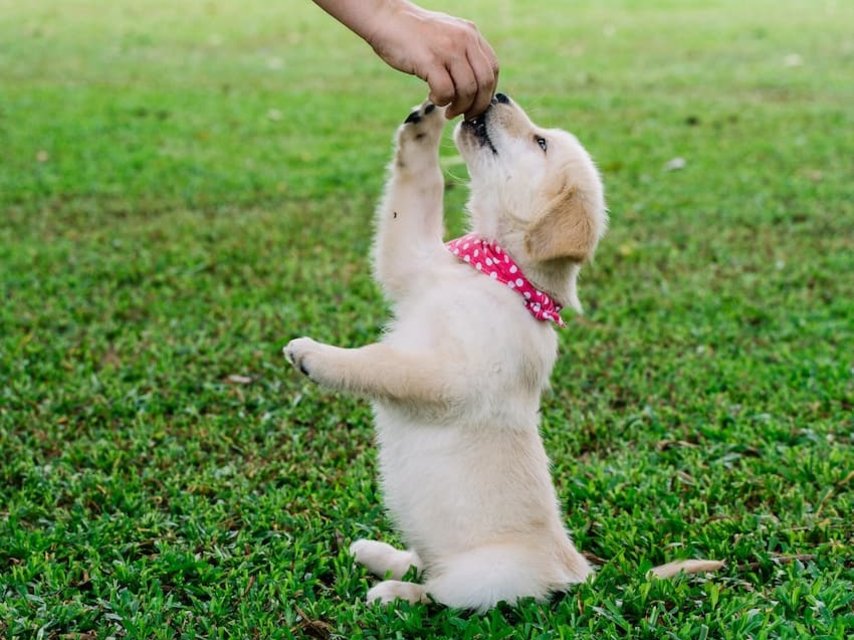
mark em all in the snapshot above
pixel 186 186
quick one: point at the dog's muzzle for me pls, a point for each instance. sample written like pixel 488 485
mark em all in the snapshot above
pixel 478 127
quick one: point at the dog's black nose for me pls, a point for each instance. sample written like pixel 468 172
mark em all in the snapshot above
pixel 502 98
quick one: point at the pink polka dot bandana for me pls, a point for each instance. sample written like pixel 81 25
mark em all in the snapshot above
pixel 491 260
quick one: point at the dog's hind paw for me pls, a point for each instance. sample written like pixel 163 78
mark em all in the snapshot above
pixel 391 590
pixel 384 560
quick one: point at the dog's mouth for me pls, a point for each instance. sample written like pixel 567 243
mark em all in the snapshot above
pixel 477 128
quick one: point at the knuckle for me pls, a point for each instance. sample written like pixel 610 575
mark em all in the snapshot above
pixel 444 86
pixel 443 93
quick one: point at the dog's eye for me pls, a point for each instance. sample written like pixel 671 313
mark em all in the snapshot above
pixel 544 145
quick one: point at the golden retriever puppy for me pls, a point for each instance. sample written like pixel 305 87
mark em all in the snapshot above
pixel 457 378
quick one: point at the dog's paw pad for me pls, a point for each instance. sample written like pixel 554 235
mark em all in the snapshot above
pixel 423 127
pixel 297 352
pixel 421 112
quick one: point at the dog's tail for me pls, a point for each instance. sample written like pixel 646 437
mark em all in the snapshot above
pixel 575 567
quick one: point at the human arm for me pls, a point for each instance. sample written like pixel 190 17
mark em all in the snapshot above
pixel 448 53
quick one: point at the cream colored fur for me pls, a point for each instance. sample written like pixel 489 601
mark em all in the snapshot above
pixel 457 378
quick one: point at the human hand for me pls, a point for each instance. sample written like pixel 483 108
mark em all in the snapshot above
pixel 448 53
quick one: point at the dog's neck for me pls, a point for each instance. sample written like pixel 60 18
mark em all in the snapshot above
pixel 490 259
pixel 555 277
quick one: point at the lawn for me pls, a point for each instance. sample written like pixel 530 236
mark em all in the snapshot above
pixel 186 186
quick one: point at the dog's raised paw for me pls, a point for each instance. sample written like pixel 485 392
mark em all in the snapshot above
pixel 418 138
pixel 425 109
pixel 413 118
pixel 423 124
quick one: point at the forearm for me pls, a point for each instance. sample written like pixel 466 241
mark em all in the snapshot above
pixel 363 17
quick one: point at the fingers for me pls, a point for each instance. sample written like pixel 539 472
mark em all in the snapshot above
pixel 450 54
pixel 485 68
pixel 474 72
pixel 465 87
pixel 441 85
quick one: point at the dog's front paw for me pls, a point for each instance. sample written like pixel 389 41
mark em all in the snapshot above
pixel 300 352
pixel 418 136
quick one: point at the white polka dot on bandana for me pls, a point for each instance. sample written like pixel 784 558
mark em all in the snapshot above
pixel 494 261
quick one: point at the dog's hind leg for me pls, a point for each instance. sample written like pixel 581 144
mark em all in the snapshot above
pixel 484 576
pixel 409 218
pixel 384 560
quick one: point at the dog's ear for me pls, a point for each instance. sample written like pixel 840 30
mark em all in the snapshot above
pixel 564 230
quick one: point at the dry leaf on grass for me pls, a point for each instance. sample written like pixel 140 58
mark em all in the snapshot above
pixel 687 566
pixel 793 60
pixel 675 164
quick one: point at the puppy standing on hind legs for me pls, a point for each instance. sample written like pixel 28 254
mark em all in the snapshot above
pixel 457 379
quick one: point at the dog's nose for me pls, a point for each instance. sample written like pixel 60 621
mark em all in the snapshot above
pixel 500 97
